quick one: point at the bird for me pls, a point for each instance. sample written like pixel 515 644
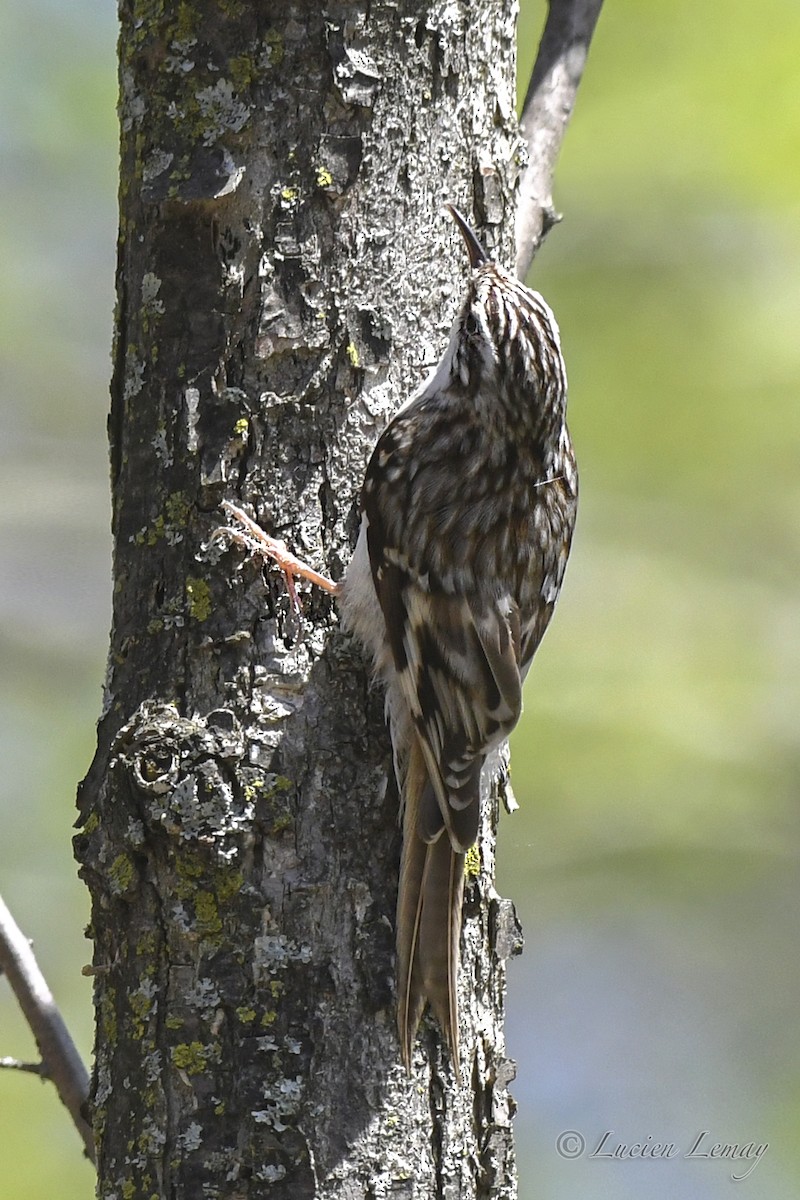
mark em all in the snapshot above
pixel 468 507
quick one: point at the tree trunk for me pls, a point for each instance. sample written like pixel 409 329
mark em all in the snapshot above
pixel 285 279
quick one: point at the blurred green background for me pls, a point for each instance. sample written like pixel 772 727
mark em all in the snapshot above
pixel 654 861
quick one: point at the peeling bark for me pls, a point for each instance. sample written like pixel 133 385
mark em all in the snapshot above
pixel 285 279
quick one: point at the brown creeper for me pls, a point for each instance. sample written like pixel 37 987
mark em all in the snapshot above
pixel 468 508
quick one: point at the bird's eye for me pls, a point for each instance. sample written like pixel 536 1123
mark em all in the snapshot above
pixel 471 324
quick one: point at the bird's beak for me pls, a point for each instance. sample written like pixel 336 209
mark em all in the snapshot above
pixel 476 252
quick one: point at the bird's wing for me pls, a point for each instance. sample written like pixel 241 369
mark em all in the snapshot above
pixel 457 663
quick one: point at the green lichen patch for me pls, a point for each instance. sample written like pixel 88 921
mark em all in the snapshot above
pixel 198 595
pixel 274 792
pixel 208 922
pixel 193 1057
pixel 472 863
pixel 146 945
pixel 172 521
pixel 178 507
pixel 141 1004
pixel 210 888
pixel 242 72
pixel 121 874
pixel 229 884
pixel 108 1015
pixel 275 48
pixel 91 823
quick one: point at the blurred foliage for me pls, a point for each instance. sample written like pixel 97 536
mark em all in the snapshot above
pixel 654 858
pixel 670 674
pixel 57 244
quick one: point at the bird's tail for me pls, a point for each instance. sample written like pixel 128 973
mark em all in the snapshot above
pixel 429 903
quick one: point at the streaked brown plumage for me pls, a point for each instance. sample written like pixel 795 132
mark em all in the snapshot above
pixel 468 508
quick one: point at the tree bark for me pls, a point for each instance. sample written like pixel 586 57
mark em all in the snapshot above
pixel 285 279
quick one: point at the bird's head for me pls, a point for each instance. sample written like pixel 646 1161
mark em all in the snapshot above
pixel 505 336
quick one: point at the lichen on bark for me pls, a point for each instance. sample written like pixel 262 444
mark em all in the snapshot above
pixel 286 277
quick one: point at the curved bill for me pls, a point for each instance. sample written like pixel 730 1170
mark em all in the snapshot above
pixel 476 252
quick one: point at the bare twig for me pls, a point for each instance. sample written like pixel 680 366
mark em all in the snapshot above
pixel 547 109
pixel 14 1064
pixel 60 1059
